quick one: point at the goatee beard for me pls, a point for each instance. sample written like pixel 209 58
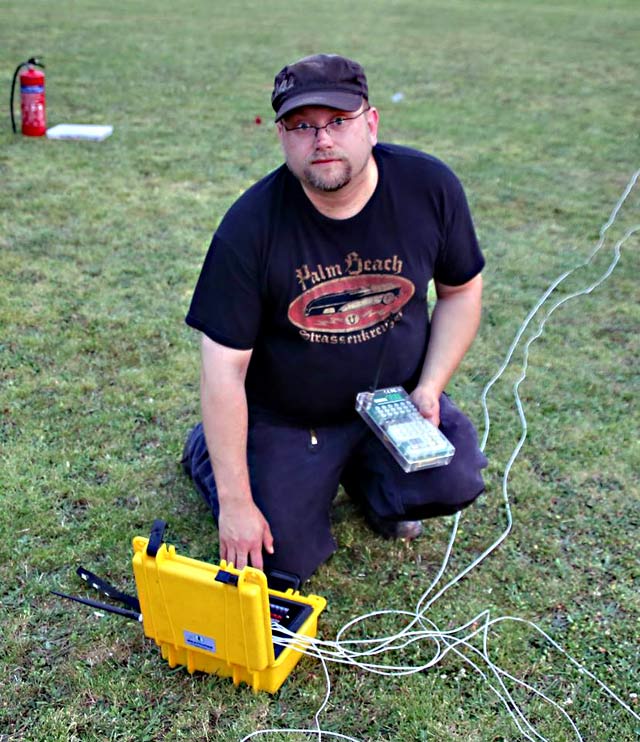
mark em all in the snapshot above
pixel 321 184
pixel 329 184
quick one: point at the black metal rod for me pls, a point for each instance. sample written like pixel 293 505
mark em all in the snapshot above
pixel 102 606
pixel 109 590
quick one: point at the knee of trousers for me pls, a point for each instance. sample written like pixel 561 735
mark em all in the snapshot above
pixel 445 490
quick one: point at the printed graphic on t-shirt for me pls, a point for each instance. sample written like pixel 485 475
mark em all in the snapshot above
pixel 367 293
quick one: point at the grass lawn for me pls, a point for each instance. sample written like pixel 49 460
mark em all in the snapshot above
pixel 535 105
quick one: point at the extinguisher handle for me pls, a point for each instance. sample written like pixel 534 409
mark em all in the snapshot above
pixel 36 63
pixel 13 87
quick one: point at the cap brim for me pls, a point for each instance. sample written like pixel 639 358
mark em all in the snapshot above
pixel 328 98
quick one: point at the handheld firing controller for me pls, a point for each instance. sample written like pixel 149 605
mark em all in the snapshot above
pixel 413 441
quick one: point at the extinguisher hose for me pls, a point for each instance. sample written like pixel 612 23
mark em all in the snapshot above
pixel 36 63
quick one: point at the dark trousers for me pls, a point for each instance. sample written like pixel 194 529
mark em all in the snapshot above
pixel 295 473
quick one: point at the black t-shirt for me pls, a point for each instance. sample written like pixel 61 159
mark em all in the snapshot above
pixel 316 297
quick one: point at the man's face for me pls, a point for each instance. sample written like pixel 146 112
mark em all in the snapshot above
pixel 331 158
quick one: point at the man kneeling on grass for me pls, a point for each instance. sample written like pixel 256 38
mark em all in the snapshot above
pixel 314 271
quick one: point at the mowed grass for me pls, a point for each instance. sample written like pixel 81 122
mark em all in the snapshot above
pixel 535 106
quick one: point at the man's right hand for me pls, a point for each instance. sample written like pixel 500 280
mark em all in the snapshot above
pixel 244 532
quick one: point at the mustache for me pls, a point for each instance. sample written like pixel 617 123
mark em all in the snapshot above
pixel 326 154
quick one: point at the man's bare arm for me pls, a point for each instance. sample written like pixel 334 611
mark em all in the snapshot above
pixel 244 531
pixel 454 324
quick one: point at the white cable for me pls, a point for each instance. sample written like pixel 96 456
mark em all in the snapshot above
pixel 554 285
pixel 455 640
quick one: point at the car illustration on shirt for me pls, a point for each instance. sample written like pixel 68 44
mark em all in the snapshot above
pixel 349 301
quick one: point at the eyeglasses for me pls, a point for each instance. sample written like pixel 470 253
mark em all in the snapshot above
pixel 335 128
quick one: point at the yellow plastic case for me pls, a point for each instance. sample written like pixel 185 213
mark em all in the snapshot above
pixel 217 619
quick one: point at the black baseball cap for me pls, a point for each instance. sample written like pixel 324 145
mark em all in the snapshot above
pixel 320 80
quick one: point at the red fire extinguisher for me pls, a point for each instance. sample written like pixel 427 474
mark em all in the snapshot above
pixel 32 98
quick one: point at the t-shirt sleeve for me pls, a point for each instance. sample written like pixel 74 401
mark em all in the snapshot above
pixel 226 304
pixel 460 257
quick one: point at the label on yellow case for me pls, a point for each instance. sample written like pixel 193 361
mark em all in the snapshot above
pixel 199 641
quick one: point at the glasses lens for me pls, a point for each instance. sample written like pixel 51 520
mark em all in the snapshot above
pixel 338 126
pixel 307 132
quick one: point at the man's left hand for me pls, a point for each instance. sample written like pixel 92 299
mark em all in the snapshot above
pixel 428 402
